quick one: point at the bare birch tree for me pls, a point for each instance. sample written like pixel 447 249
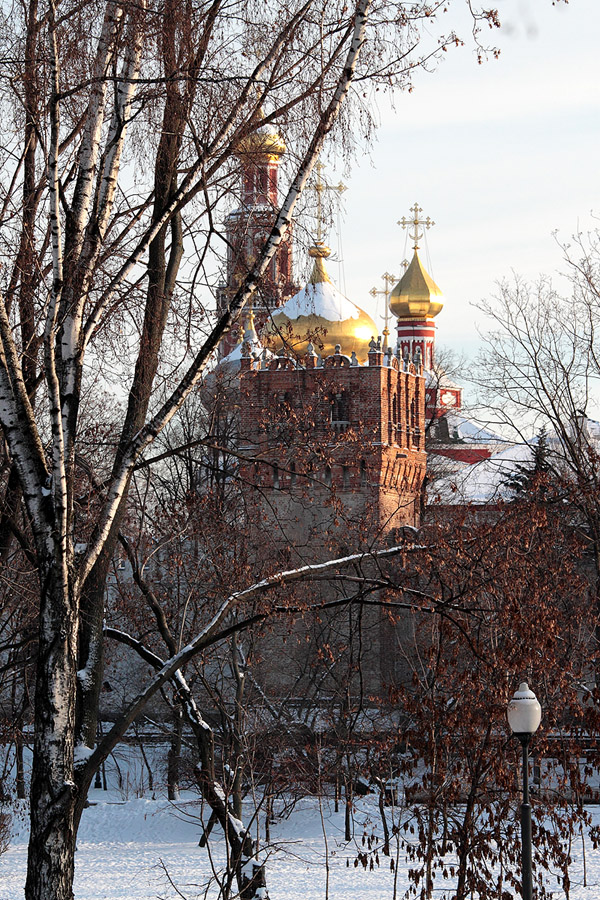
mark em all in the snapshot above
pixel 540 369
pixel 123 120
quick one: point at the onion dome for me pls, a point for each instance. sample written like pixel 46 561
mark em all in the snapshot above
pixel 248 345
pixel 416 296
pixel 264 142
pixel 320 314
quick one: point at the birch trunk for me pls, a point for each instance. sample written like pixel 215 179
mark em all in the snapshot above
pixel 50 865
pixel 87 278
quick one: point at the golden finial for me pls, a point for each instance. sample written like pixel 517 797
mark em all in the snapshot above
pixel 320 186
pixel 250 331
pixel 416 224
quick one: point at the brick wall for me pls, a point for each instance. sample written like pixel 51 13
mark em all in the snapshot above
pixel 345 440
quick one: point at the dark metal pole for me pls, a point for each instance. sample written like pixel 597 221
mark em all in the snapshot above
pixel 526 864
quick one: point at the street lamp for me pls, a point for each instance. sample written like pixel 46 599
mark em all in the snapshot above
pixel 524 716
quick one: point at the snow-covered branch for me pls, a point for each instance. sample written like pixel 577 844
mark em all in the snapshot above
pixel 208 634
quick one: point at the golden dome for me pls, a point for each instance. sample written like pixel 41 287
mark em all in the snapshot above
pixel 320 314
pixel 416 296
pixel 264 142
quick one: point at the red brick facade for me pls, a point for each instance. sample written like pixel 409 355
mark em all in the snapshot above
pixel 247 229
pixel 354 431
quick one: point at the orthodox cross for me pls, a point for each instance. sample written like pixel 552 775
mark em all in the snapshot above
pixel 320 186
pixel 416 224
pixel 388 281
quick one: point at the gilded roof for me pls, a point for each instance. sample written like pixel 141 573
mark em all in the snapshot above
pixel 265 141
pixel 416 296
pixel 320 314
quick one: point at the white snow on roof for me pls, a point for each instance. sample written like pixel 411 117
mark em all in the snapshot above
pixel 483 482
pixel 437 378
pixel 592 428
pixel 463 429
pixel 322 299
pixel 232 360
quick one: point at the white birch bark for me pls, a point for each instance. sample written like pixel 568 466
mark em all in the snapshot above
pixel 147 434
pixel 85 251
pixel 52 792
pixel 19 428
pixel 94 120
pixel 125 92
pixel 58 473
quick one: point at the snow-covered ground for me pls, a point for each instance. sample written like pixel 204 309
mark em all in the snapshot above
pixel 135 845
pixel 131 850
pixel 141 848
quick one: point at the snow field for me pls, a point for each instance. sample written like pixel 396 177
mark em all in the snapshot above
pixel 135 845
pixel 126 848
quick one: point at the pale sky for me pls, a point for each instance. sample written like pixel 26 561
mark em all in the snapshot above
pixel 499 155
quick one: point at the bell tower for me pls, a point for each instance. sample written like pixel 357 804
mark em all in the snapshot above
pixel 248 227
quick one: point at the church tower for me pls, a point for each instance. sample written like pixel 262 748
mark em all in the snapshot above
pixel 248 227
pixel 416 301
pixel 335 426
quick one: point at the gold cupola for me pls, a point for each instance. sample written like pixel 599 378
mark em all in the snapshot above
pixel 321 315
pixel 263 143
pixel 416 296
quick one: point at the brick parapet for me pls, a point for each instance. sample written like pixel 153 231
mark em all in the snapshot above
pixel 367 424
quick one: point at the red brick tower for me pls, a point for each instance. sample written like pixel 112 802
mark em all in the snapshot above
pixel 331 426
pixel 337 440
pixel 248 226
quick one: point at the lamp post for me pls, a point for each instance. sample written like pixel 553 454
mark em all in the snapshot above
pixel 524 716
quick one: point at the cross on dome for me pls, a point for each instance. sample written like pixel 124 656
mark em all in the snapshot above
pixel 320 186
pixel 416 224
pixel 388 280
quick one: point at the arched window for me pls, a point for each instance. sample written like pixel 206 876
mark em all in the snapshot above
pixel 327 476
pixel 340 412
pixel 284 404
pixel 363 473
pixel 273 184
pixel 262 181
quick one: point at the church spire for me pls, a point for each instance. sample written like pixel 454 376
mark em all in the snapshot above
pixel 416 299
pixel 416 296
